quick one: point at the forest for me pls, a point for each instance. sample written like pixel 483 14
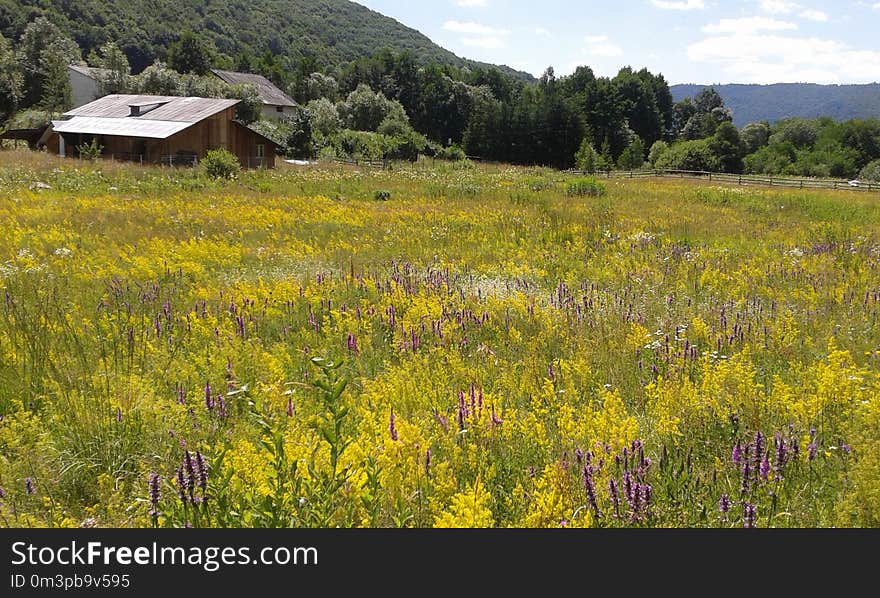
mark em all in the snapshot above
pixel 394 105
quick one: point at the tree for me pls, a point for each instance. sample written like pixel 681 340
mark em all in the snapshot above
pixel 633 157
pixel 727 147
pixel 190 54
pixel 318 86
pixel 754 136
pixel 586 157
pixel 117 80
pixel 11 81
pixel 325 117
pixel 800 132
pixel 363 109
pixel 44 53
pixel 298 137
pixel 689 155
pixel 657 150
pixel 158 79
pixel 871 172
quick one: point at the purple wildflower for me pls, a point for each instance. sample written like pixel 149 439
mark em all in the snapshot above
pixel 209 398
pixel 118 415
pixel 442 420
pixel 181 484
pixel 29 486
pixel 290 410
pixel 737 454
pixel 812 450
pixel 590 488
pixel 202 470
pixel 579 455
pixel 765 467
pixel 629 489
pixel 181 395
pixel 462 411
pixel 2 492
pixel 724 505
pixel 427 461
pixel 746 477
pixel 750 515
pixel 615 496
pixel 155 495
pixel 496 420
pixel 352 343
pixel 392 428
pixel 781 455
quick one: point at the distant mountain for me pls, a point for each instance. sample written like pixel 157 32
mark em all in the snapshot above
pixel 785 100
pixel 331 31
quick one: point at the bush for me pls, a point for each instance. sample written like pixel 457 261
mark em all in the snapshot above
pixel 689 155
pixel 871 172
pixel 453 153
pixel 382 195
pixel 221 164
pixel 91 150
pixel 588 186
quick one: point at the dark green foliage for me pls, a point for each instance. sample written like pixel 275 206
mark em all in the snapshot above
pixel 190 55
pixel 382 195
pixel 689 155
pixel 270 37
pixel 633 157
pixel 221 164
pixel 727 147
pixel 453 153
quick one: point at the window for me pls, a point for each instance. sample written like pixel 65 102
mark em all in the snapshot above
pixel 261 150
pixel 279 109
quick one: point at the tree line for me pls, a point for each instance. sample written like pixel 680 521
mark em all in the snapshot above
pixel 389 105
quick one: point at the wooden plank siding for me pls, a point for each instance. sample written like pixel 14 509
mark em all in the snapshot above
pixel 217 131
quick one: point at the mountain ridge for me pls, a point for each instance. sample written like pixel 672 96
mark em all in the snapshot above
pixel 333 32
pixel 778 101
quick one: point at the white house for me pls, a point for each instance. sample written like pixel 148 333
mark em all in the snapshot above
pixel 85 83
pixel 276 103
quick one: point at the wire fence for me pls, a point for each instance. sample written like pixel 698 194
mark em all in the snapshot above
pixel 739 179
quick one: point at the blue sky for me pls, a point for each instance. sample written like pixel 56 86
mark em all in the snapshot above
pixel 689 41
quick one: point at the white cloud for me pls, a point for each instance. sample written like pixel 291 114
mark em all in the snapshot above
pixel 679 4
pixel 748 25
pixel 600 45
pixel 770 58
pixel 471 3
pixel 478 35
pixel 541 31
pixel 779 7
pixel 491 42
pixel 472 28
pixel 784 7
pixel 814 15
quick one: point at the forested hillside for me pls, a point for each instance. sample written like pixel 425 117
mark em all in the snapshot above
pixel 243 33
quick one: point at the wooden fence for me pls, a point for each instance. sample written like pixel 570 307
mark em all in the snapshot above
pixel 740 179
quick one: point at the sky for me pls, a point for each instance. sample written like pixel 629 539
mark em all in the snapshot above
pixel 688 41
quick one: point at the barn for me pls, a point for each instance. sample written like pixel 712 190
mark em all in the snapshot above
pixel 160 130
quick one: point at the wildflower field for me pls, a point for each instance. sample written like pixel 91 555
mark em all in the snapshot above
pixel 433 346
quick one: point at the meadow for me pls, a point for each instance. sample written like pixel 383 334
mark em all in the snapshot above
pixel 437 345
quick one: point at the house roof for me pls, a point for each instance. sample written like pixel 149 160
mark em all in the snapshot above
pixel 112 115
pixel 90 71
pixel 122 127
pixel 270 94
pixel 177 109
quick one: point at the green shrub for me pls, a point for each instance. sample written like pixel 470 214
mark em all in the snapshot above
pixel 221 164
pixel 382 195
pixel 91 150
pixel 871 172
pixel 586 186
pixel 453 153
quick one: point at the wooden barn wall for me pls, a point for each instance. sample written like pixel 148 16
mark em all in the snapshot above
pixel 218 131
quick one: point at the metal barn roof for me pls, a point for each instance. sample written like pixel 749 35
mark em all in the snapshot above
pixel 175 109
pixel 123 127
pixel 270 94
